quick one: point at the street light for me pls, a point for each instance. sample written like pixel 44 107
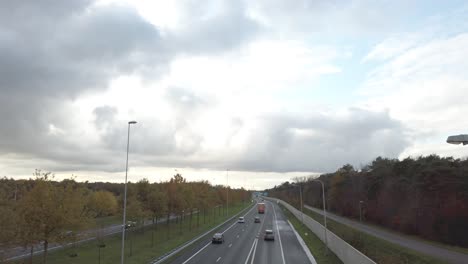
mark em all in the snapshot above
pixel 324 213
pixel 458 139
pixel 302 210
pixel 360 211
pixel 227 192
pixel 125 195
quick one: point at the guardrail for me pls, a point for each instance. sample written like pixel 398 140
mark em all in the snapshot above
pixel 344 251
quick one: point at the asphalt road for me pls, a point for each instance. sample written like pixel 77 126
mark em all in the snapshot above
pixel 425 248
pixel 243 243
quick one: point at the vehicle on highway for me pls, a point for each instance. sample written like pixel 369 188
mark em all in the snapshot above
pixel 218 238
pixel 257 219
pixel 261 208
pixel 269 235
pixel 130 224
pixel 241 220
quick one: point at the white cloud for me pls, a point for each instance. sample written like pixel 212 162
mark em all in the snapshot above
pixel 425 87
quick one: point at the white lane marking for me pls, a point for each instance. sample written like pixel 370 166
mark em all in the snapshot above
pixel 253 254
pixel 250 252
pixel 196 253
pixel 218 259
pixel 230 245
pixel 242 230
pixel 237 236
pixel 279 235
pixel 303 245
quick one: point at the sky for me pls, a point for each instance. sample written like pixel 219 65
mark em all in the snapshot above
pixel 249 93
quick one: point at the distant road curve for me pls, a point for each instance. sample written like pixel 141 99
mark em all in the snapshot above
pixel 425 248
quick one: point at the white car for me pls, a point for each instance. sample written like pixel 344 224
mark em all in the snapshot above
pixel 241 220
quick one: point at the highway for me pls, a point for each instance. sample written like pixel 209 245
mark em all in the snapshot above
pixel 244 242
pixel 404 241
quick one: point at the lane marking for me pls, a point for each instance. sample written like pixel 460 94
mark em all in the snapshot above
pixel 279 235
pixel 218 259
pixel 253 254
pixel 303 245
pixel 237 236
pixel 230 245
pixel 250 252
pixel 196 253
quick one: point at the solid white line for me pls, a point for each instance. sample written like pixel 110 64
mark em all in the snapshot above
pixel 250 252
pixel 253 254
pixel 279 235
pixel 218 259
pixel 303 244
pixel 196 253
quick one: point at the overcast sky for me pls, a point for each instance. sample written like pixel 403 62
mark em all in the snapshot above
pixel 269 89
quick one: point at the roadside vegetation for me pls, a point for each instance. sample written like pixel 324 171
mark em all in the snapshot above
pixel 142 244
pixel 425 197
pixel 379 250
pixel 41 211
pixel 315 245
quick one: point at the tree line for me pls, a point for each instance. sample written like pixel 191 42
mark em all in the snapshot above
pixel 424 196
pixel 43 211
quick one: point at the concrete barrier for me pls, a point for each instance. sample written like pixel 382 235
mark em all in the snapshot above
pixel 344 251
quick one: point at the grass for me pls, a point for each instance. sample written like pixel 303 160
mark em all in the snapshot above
pixel 379 250
pixel 138 245
pixel 315 245
pixel 420 239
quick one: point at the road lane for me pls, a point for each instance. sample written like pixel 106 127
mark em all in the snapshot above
pixel 244 242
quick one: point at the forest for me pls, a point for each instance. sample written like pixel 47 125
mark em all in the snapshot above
pixel 42 210
pixel 425 196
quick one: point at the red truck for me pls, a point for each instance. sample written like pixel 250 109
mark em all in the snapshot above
pixel 261 208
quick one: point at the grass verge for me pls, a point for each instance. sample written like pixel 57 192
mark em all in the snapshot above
pixel 379 250
pixel 141 245
pixel 315 245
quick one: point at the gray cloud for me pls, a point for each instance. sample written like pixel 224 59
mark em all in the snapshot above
pixel 321 142
pixel 53 52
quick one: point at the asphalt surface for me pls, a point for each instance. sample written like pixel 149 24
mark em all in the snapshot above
pixel 243 242
pixel 425 248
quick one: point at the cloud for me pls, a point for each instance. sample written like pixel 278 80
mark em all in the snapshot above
pixel 321 142
pixel 425 87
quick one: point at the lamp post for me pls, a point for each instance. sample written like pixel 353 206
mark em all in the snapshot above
pixel 458 139
pixel 324 214
pixel 122 254
pixel 302 207
pixel 227 192
pixel 360 211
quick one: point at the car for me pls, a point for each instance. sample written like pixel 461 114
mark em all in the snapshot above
pixel 269 235
pixel 130 224
pixel 218 238
pixel 257 219
pixel 241 220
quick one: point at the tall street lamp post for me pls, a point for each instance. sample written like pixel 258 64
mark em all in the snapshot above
pixel 324 214
pixel 122 254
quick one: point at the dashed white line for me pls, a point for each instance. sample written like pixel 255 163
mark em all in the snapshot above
pixel 218 259
pixel 230 245
pixel 237 236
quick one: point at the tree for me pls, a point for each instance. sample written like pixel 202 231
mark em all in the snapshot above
pixel 48 211
pixel 103 203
